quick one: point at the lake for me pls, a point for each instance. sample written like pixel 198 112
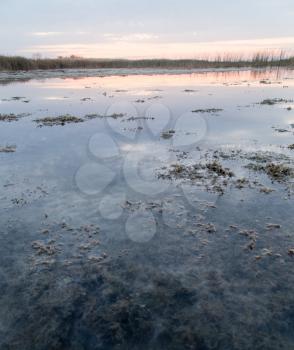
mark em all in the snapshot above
pixel 147 209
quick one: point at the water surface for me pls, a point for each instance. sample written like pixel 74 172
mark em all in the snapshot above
pixel 99 251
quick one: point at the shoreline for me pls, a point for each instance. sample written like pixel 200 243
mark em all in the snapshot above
pixel 11 76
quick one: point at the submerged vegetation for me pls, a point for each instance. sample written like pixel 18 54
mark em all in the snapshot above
pixel 17 63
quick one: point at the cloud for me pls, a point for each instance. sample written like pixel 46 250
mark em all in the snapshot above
pixel 143 47
pixel 131 37
pixel 44 34
pixel 48 34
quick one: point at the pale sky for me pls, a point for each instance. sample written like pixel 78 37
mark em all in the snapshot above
pixel 145 28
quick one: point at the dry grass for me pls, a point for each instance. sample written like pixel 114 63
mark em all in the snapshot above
pixel 262 59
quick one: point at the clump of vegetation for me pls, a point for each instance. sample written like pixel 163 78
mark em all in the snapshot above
pixel 178 168
pixel 61 120
pixel 43 248
pixel 208 110
pixel 92 116
pixel 115 115
pixel 261 59
pixel 277 172
pixel 291 146
pixel 168 134
pixel 7 149
pixel 266 82
pixel 95 116
pixel 273 101
pixel 217 168
pixel 9 117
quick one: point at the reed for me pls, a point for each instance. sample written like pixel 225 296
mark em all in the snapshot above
pixel 260 59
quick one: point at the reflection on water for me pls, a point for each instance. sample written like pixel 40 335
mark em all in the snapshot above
pixel 101 248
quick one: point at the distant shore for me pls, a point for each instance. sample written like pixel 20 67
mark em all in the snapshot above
pixel 7 77
pixel 15 63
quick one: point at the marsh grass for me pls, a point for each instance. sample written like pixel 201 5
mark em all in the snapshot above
pixel 261 59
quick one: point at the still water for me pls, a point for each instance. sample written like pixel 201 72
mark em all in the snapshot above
pixel 108 243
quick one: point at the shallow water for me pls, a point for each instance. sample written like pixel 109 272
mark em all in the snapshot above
pixel 101 250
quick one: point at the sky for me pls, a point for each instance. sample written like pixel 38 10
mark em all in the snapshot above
pixel 145 28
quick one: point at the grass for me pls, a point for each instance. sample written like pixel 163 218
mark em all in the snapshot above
pixel 61 120
pixel 16 63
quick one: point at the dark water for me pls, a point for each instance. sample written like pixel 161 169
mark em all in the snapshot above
pixel 99 252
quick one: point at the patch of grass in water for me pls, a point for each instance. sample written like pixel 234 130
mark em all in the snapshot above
pixel 279 172
pixel 208 110
pixel 274 101
pixel 8 149
pixel 168 134
pixel 12 117
pixel 61 120
pixel 217 168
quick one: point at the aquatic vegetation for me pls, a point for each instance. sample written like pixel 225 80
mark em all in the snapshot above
pixel 189 90
pixel 9 117
pixel 208 110
pixel 278 172
pixel 260 59
pixel 274 101
pixel 61 120
pixel 217 168
pixel 71 278
pixel 291 252
pixel 273 226
pixel 265 82
pixel 7 149
pixel 42 248
pixel 92 116
pixel 168 134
